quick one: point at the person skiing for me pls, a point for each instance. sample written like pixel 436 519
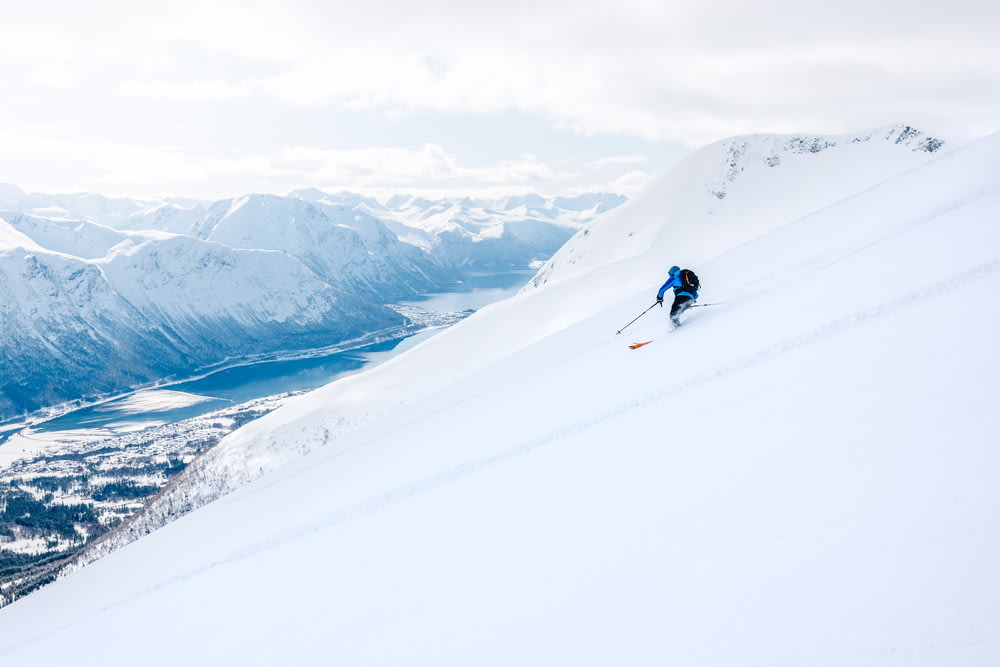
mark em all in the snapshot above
pixel 686 286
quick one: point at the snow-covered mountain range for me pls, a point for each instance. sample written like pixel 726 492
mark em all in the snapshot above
pixel 105 294
pixel 804 474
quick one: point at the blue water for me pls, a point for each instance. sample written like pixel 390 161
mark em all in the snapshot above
pixel 476 292
pixel 268 378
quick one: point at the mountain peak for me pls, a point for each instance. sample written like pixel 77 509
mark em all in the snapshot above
pixel 308 194
pixel 881 147
pixel 10 194
pixel 907 135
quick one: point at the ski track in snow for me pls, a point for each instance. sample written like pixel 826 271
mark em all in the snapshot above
pixel 400 494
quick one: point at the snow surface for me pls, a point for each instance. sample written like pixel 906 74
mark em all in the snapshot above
pixel 804 475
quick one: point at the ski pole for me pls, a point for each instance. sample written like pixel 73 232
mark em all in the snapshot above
pixel 640 315
pixel 702 305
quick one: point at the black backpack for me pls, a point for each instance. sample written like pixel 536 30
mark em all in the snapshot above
pixel 689 281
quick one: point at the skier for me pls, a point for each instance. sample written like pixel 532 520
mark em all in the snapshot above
pixel 686 286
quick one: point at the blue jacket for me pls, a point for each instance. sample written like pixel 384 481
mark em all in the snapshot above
pixel 675 282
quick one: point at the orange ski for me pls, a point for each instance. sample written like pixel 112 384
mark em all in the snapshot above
pixel 636 345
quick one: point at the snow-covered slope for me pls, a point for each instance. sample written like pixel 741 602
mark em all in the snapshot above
pixel 248 301
pixel 62 323
pixel 804 475
pixel 737 189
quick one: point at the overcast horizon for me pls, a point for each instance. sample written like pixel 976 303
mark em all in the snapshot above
pixel 215 100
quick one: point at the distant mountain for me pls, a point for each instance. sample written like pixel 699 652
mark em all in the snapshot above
pixel 154 306
pixel 487 235
pixel 454 234
pixel 451 236
pixel 67 333
pixel 79 238
pixel 346 246
pixel 80 206
pixel 114 293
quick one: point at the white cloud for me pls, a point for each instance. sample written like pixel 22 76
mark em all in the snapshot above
pixel 633 181
pixel 185 90
pixel 690 75
pixel 158 171
pixel 687 71
pixel 55 74
pixel 616 160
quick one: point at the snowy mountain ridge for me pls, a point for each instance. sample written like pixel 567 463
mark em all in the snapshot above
pixel 776 178
pixel 769 149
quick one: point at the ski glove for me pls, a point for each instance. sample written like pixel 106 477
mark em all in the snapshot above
pixel 659 300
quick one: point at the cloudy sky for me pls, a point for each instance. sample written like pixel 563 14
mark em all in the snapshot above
pixel 215 99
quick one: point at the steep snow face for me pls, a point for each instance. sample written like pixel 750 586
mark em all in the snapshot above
pixel 807 472
pixel 393 265
pixel 11 238
pixel 182 279
pixel 62 324
pixel 262 221
pixel 737 189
